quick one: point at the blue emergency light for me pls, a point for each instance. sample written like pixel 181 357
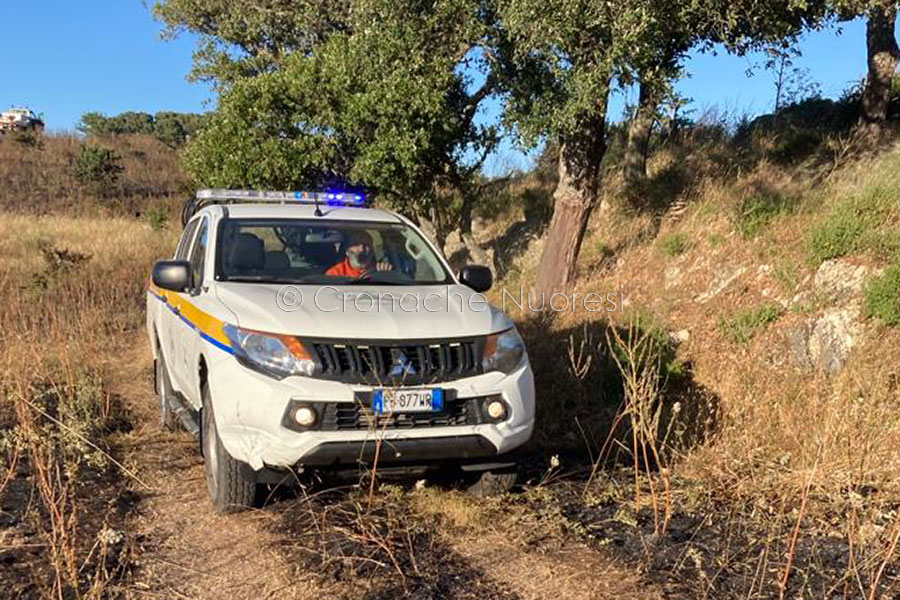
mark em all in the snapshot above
pixel 348 199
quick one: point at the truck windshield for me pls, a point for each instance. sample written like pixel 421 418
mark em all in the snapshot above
pixel 336 252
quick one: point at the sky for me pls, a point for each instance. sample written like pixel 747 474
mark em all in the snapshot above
pixel 109 56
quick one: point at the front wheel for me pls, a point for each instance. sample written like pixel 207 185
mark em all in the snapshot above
pixel 494 483
pixel 231 483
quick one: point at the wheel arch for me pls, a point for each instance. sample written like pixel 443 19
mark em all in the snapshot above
pixel 202 376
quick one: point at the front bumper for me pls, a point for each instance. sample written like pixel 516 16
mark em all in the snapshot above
pixel 249 408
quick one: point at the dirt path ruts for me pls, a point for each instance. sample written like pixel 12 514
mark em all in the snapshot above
pixel 184 549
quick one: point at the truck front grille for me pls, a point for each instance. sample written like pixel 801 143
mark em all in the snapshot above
pixel 341 416
pixel 381 363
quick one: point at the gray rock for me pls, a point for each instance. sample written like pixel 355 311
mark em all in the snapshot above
pixel 832 337
pixel 723 277
pixel 824 343
pixel 680 336
pixel 672 276
pixel 839 281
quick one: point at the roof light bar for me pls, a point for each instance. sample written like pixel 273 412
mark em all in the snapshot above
pixel 353 199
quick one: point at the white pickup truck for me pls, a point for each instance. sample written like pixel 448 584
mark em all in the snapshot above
pixel 299 331
pixel 20 119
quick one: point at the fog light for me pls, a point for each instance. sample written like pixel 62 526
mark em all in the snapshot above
pixel 304 416
pixel 496 409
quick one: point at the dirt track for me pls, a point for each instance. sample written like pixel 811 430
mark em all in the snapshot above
pixel 183 550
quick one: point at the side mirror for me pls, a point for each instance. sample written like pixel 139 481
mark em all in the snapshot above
pixel 476 277
pixel 173 275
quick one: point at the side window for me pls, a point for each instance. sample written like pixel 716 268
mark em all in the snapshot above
pixel 182 252
pixel 198 255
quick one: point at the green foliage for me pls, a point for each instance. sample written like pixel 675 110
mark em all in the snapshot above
pixel 387 107
pixel 28 138
pixel 73 415
pixel 757 211
pixel 673 244
pixel 97 168
pixel 882 296
pixel 157 218
pixel 171 128
pixel 745 324
pixel 853 224
pixel 658 353
pixel 785 273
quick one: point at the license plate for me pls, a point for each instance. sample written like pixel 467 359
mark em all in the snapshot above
pixel 407 400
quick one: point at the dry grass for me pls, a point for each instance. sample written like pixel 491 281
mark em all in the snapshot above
pixel 785 456
pixel 72 292
pixel 40 179
pixel 783 436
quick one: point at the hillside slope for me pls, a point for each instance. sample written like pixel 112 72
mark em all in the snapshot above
pixel 40 175
pixel 769 297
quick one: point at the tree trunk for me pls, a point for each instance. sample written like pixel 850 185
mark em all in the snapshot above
pixel 476 252
pixel 575 196
pixel 635 160
pixel 881 46
pixel 433 231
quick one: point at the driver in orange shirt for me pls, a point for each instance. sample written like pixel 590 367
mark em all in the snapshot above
pixel 359 257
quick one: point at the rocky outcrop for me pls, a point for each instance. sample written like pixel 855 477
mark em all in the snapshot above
pixel 823 342
pixel 724 276
pixel 839 281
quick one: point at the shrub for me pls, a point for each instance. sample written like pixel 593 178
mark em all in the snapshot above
pixel 882 296
pixel 97 167
pixel 744 325
pixel 58 262
pixel 673 244
pixel 757 211
pixel 28 138
pixel 156 218
pixel 835 237
pixel 852 226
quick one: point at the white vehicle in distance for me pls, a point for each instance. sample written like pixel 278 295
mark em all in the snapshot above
pixel 299 331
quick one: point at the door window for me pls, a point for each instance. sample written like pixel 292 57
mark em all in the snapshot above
pixel 182 252
pixel 198 255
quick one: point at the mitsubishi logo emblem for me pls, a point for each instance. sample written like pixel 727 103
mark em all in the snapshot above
pixel 401 365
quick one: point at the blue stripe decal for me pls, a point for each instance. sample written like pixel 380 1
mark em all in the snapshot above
pixel 217 343
pixel 203 335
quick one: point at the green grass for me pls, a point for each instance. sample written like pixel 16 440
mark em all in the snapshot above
pixel 785 273
pixel 756 212
pixel 673 244
pixel 852 226
pixel 745 324
pixel 157 218
pixel 882 296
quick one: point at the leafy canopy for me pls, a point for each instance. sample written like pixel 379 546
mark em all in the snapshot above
pixel 375 95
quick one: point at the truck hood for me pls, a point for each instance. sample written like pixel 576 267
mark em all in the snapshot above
pixel 363 312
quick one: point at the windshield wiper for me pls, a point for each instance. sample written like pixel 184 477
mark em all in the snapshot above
pixel 265 279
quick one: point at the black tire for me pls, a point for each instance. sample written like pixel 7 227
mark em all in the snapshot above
pixel 494 483
pixel 167 419
pixel 231 483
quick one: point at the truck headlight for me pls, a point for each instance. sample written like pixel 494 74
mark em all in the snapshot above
pixel 503 351
pixel 270 353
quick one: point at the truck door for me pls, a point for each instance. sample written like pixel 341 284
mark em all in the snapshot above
pixel 168 323
pixel 189 334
